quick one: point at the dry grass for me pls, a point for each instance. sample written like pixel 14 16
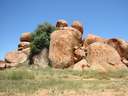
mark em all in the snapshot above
pixel 50 82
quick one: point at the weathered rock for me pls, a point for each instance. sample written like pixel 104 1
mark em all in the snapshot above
pixel 91 39
pixel 25 37
pixel 61 23
pixel 77 25
pixel 15 57
pixel 81 65
pixel 103 57
pixel 120 45
pixel 23 45
pixel 62 46
pixel 41 59
pixel 2 64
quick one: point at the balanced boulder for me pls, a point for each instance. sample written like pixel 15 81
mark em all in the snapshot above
pixel 77 25
pixel 25 37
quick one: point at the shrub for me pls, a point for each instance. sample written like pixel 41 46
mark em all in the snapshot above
pixel 41 37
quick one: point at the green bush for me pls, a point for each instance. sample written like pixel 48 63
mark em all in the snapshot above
pixel 41 37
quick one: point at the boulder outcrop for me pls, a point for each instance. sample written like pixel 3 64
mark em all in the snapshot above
pixel 62 46
pixel 68 49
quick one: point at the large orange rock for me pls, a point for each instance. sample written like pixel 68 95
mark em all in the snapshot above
pixel 91 39
pixel 62 46
pixel 16 57
pixel 103 57
pixel 25 37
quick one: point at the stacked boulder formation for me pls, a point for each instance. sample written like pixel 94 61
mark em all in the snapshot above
pixel 19 56
pixel 68 50
pixel 63 42
pixel 102 54
pixel 24 41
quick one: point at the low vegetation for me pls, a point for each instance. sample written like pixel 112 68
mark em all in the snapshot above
pixel 26 81
pixel 41 37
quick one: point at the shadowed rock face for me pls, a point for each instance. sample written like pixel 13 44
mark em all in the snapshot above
pixel 103 57
pixel 41 59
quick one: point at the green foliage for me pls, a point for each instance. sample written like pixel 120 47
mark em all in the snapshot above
pixel 41 37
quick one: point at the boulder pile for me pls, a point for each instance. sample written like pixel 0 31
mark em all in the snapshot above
pixel 19 56
pixel 68 50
